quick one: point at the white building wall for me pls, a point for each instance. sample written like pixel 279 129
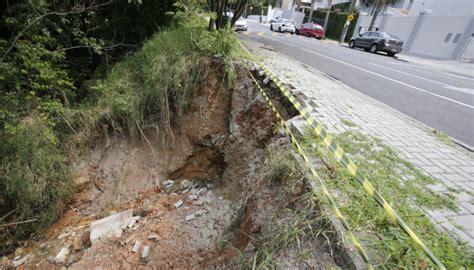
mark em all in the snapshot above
pixel 400 26
pixel 443 7
pixel 430 40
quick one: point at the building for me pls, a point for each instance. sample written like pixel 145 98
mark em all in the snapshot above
pixel 438 29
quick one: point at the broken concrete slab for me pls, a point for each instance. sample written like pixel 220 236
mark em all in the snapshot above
pixel 62 255
pixel 106 225
pixel 146 252
pixel 178 204
pixel 136 246
pixel 186 184
pixel 154 237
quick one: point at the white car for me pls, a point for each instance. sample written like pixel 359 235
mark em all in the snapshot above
pixel 240 25
pixel 282 25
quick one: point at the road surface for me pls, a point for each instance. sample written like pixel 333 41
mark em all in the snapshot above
pixel 439 99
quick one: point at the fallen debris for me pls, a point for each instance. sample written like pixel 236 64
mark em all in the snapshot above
pixel 61 256
pixel 76 244
pixel 136 247
pixel 193 197
pixel 109 224
pixel 190 217
pixel 146 252
pixel 154 237
pixel 178 204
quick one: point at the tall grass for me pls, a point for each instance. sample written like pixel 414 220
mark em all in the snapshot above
pixel 150 86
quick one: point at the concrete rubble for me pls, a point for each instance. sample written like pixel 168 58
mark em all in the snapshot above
pixel 61 256
pixel 178 204
pixel 110 224
pixel 136 246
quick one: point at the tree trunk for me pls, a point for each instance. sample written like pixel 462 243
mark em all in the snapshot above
pixel 326 19
pixel 378 8
pixel 310 18
pixel 239 9
pixel 212 8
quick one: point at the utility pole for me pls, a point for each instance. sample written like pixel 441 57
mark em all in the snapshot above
pixel 348 22
pixel 326 19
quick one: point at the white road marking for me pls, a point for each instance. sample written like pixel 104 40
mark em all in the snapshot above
pixel 458 76
pixel 452 87
pixel 381 76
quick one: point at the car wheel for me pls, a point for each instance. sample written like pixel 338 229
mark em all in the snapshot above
pixel 279 29
pixel 352 44
pixel 271 27
pixel 373 48
pixel 391 54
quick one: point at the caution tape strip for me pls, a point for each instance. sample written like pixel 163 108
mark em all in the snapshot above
pixel 310 166
pixel 344 159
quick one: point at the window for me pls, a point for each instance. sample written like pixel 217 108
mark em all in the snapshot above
pixel 456 38
pixel 317 27
pixel 448 37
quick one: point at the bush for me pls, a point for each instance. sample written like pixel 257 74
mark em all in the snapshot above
pixel 35 177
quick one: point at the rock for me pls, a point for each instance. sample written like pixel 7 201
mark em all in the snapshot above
pixel 62 255
pixel 146 252
pixel 190 217
pixel 106 225
pixel 193 197
pixel 168 184
pixel 76 244
pixel 199 202
pixel 19 251
pixel 154 237
pixel 184 191
pixel 211 185
pixel 200 213
pixel 202 191
pixel 128 240
pixel 21 261
pixel 86 239
pixel 136 246
pixel 178 204
pixel 186 184
pixel 194 191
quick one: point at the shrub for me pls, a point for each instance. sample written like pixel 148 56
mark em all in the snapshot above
pixel 35 177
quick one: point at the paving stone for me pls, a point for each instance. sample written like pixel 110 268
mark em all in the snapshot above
pixel 331 102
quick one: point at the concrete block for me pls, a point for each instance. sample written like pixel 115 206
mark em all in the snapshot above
pixel 136 246
pixel 106 225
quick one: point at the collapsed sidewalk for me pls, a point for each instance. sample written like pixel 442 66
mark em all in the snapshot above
pixel 342 109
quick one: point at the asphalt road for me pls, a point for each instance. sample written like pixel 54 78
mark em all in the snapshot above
pixel 436 98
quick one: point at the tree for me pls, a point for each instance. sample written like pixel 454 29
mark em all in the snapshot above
pixel 326 19
pixel 219 9
pixel 378 6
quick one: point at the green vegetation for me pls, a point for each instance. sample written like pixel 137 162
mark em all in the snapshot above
pixel 54 99
pixel 404 187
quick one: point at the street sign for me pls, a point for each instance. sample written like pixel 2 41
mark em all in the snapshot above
pixel 350 17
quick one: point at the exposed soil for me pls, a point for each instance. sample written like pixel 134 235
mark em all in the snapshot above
pixel 214 155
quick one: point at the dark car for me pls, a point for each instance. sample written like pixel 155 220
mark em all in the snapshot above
pixel 311 30
pixel 377 41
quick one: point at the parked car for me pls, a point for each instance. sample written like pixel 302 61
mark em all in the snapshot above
pixel 282 25
pixel 378 41
pixel 240 25
pixel 311 30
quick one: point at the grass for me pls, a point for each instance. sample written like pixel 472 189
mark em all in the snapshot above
pixel 286 229
pixel 443 137
pixel 150 87
pixel 404 187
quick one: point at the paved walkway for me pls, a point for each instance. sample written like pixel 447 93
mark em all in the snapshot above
pixel 332 102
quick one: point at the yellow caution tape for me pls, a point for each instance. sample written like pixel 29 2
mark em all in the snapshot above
pixel 309 165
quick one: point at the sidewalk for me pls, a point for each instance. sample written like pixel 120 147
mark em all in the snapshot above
pixel 332 103
pixel 450 67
